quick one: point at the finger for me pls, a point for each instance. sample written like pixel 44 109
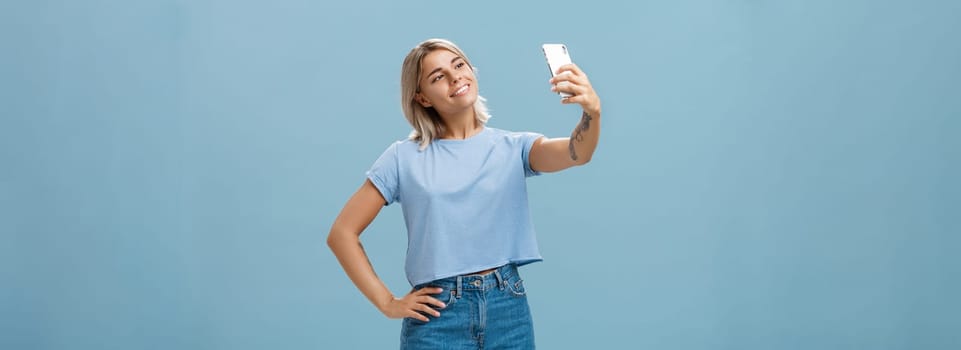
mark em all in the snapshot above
pixel 418 316
pixel 573 68
pixel 431 300
pixel 577 70
pixel 573 79
pixel 569 100
pixel 565 68
pixel 570 88
pixel 562 86
pixel 429 290
pixel 574 99
pixel 427 310
pixel 564 76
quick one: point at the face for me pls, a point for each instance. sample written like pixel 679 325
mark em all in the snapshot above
pixel 446 83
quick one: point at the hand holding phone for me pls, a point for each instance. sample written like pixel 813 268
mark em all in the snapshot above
pixel 557 56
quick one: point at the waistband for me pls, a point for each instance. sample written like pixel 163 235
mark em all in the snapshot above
pixel 456 284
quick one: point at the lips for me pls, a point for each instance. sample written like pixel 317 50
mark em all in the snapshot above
pixel 461 91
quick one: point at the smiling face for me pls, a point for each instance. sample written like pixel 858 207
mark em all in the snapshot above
pixel 447 83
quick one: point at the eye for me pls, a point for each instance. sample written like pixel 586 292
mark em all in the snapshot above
pixel 437 77
pixel 459 65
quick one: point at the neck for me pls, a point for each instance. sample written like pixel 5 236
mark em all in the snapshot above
pixel 461 126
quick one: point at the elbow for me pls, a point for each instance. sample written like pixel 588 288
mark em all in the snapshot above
pixel 583 160
pixel 333 238
pixel 337 237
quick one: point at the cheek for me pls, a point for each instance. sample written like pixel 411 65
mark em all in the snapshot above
pixel 433 94
pixel 438 94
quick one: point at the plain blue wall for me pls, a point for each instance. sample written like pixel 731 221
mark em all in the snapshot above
pixel 772 174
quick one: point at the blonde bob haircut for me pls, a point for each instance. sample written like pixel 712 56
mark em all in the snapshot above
pixel 426 122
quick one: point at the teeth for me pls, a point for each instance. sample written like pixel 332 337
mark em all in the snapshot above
pixel 461 90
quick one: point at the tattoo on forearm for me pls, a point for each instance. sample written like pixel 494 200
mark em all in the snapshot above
pixel 577 135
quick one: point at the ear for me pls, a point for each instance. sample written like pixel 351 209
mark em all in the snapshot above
pixel 422 100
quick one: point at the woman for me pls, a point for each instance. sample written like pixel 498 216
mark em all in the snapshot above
pixel 462 189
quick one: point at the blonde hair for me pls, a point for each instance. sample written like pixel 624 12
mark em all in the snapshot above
pixel 426 122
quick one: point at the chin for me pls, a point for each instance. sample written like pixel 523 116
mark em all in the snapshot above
pixel 464 101
pixel 471 99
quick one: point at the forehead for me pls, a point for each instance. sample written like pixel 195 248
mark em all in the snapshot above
pixel 437 58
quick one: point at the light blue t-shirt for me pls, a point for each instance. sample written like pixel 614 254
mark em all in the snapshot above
pixel 464 202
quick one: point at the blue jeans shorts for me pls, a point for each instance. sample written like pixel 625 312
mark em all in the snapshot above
pixel 482 312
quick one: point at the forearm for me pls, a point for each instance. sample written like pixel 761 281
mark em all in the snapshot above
pixel 585 136
pixel 350 253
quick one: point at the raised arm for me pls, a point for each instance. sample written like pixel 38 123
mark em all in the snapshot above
pixel 556 154
pixel 344 241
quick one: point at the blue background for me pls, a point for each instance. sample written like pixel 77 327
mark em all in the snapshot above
pixel 771 175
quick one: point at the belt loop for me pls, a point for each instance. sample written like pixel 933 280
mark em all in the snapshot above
pixel 500 280
pixel 457 288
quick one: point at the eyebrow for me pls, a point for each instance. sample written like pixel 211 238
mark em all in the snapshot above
pixel 439 68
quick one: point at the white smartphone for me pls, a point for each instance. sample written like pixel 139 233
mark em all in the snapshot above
pixel 557 56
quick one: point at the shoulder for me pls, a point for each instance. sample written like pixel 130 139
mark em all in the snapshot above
pixel 402 146
pixel 513 136
pixel 397 150
pixel 516 139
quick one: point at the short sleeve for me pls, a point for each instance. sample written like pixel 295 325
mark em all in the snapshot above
pixel 384 174
pixel 527 141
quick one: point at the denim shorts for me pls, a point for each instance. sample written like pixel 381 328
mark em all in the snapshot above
pixel 482 312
